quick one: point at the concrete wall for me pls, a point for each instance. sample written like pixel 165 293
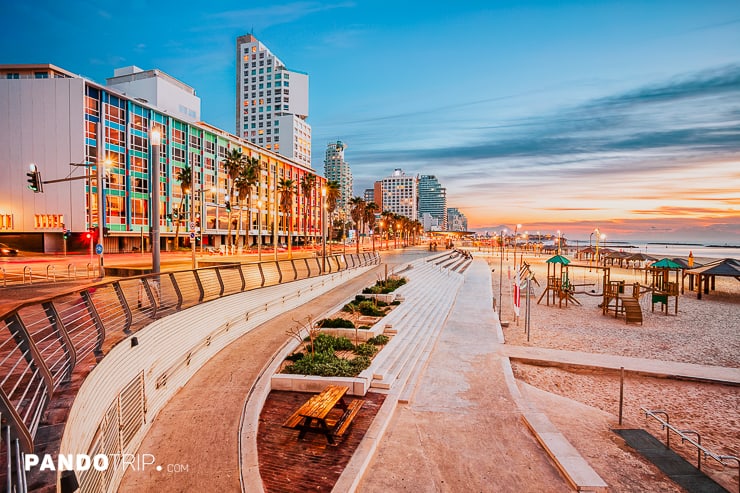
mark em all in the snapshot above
pixel 41 122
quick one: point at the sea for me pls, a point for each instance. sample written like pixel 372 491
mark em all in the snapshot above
pixel 672 249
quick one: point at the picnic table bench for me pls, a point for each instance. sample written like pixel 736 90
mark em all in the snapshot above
pixel 313 415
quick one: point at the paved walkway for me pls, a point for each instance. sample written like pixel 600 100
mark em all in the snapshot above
pixel 199 426
pixel 462 427
pixel 461 423
pixel 651 367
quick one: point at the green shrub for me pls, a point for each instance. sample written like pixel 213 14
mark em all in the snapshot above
pixel 343 344
pixel 328 365
pixel 324 343
pixel 359 298
pixel 363 327
pixel 385 287
pixel 335 323
pixel 349 308
pixel 379 340
pixel 368 308
pixel 380 304
pixel 395 302
pixel 295 356
pixel 365 349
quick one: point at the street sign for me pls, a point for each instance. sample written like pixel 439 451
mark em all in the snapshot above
pixel 99 249
pixel 192 235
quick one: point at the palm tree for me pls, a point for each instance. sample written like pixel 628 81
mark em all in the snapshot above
pixel 248 176
pixel 358 213
pixel 185 177
pixel 307 185
pixel 333 192
pixel 286 188
pixel 371 208
pixel 233 163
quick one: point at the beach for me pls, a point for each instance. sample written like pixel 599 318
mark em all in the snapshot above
pixel 584 404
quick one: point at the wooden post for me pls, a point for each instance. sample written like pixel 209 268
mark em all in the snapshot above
pixel 621 393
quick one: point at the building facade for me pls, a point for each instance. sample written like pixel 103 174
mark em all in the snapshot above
pixel 432 201
pixel 271 102
pixel 337 169
pixel 400 194
pixel 456 220
pixel 53 118
pixel 369 195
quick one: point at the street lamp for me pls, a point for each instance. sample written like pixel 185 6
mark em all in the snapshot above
pixel 501 278
pixel 558 242
pixel 259 230
pixel 515 231
pixel 381 233
pixel 323 229
pixel 599 236
pixel 154 185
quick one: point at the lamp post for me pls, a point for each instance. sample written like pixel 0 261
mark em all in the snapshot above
pixel 599 236
pixel 381 233
pixel 156 142
pixel 259 230
pixel 558 242
pixel 323 229
pixel 501 278
pixel 515 231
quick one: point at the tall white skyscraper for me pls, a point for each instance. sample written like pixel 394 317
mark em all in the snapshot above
pixel 272 102
pixel 337 169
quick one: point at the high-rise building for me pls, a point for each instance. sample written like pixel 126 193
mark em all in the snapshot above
pixel 432 201
pixel 337 169
pixel 400 194
pixel 87 124
pixel 368 195
pixel 271 102
pixel 456 220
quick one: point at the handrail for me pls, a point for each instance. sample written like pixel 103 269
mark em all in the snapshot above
pixel 30 274
pixel 51 268
pixel 73 268
pixel 684 438
pixel 43 340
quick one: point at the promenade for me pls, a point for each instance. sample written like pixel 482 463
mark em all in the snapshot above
pixel 463 424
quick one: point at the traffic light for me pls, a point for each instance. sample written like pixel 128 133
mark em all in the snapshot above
pixel 67 234
pixel 228 206
pixel 88 235
pixel 34 180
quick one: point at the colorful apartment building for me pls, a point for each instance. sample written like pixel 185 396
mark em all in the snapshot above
pixel 68 126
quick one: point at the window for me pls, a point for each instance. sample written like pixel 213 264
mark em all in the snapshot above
pixel 40 75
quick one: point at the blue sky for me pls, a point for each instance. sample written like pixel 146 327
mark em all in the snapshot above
pixel 557 115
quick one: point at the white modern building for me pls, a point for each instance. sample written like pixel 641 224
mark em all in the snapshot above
pixel 400 194
pixel 158 89
pixel 337 169
pixel 271 102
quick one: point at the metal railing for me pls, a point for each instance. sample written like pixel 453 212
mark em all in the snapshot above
pixel 43 342
pixel 685 438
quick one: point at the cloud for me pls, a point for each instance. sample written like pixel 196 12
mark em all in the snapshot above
pixel 265 17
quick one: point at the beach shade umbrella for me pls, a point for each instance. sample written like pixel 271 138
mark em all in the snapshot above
pixel 641 257
pixel 558 259
pixel 728 267
pixel 666 263
pixel 683 263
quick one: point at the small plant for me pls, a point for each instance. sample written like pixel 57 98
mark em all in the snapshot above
pixel 359 298
pixel 369 309
pixel 366 349
pixel 336 323
pixel 295 356
pixel 379 340
pixel 349 308
pixel 363 327
pixel 395 302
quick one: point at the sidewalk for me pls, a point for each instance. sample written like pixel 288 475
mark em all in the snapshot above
pixel 462 429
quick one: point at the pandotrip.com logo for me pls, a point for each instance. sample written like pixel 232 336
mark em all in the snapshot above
pixel 99 462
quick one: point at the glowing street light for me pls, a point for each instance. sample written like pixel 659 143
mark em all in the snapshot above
pixel 259 230
pixel 156 140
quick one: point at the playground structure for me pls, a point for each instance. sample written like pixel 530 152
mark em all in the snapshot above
pixel 663 289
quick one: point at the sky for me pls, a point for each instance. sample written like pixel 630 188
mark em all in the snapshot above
pixel 567 115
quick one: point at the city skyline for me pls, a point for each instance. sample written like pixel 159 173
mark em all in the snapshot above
pixel 617 115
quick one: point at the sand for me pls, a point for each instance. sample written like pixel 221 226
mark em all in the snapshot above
pixel 705 331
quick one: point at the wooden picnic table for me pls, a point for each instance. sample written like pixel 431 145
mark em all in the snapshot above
pixel 312 416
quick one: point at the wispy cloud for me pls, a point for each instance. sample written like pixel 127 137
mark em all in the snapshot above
pixel 264 17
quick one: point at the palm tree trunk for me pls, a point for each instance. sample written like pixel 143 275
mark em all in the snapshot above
pixel 177 226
